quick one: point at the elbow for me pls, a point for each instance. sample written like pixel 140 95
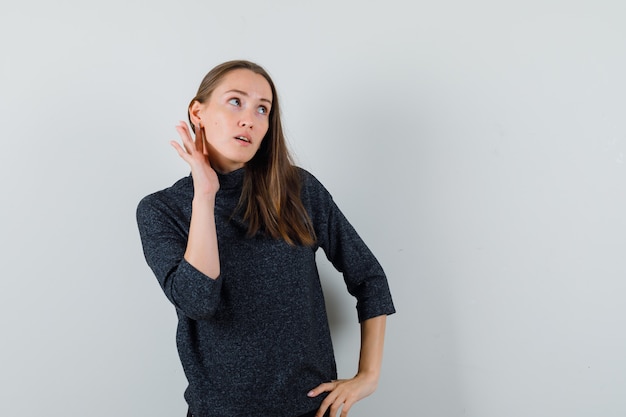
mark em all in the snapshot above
pixel 199 313
pixel 196 296
pixel 199 304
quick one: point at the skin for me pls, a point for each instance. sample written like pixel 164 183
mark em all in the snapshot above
pixel 240 106
pixel 344 393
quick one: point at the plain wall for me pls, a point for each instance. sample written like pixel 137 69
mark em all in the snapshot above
pixel 478 148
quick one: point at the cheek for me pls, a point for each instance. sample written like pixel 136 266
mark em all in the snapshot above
pixel 214 126
pixel 212 120
pixel 210 117
pixel 266 128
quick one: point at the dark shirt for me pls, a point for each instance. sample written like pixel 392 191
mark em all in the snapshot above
pixel 255 340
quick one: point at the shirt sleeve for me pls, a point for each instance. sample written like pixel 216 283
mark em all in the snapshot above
pixel 164 234
pixel 344 248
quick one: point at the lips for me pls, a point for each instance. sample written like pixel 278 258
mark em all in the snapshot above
pixel 243 138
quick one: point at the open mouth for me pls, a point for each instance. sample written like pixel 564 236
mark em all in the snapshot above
pixel 243 139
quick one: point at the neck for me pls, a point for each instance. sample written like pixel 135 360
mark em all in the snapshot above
pixel 224 167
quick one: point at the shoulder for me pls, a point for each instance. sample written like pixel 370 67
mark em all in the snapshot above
pixel 315 197
pixel 174 197
pixel 310 183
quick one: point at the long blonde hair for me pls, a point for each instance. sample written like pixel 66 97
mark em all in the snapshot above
pixel 270 199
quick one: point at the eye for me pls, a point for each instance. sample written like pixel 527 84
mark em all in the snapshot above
pixel 262 110
pixel 235 102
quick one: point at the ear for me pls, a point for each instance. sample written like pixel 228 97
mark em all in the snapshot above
pixel 194 112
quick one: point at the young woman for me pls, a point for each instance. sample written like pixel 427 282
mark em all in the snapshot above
pixel 233 247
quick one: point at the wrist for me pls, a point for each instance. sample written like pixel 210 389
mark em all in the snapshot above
pixel 371 376
pixel 204 199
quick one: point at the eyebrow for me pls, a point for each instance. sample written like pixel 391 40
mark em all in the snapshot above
pixel 243 93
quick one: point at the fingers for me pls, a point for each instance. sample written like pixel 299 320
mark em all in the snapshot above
pixel 335 401
pixel 329 401
pixel 325 387
pixel 342 394
pixel 331 405
pixel 185 136
pixel 191 146
pixel 179 149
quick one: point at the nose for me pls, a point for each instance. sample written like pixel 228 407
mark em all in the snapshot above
pixel 246 120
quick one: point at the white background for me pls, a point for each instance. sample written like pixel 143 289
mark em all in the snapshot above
pixel 478 147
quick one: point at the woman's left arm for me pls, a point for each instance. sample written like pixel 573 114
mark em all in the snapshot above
pixel 345 393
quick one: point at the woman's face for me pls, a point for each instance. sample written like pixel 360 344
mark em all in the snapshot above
pixel 235 118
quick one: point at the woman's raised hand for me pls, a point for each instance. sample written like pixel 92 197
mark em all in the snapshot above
pixel 195 153
pixel 202 251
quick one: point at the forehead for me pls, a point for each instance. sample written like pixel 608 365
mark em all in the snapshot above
pixel 244 80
